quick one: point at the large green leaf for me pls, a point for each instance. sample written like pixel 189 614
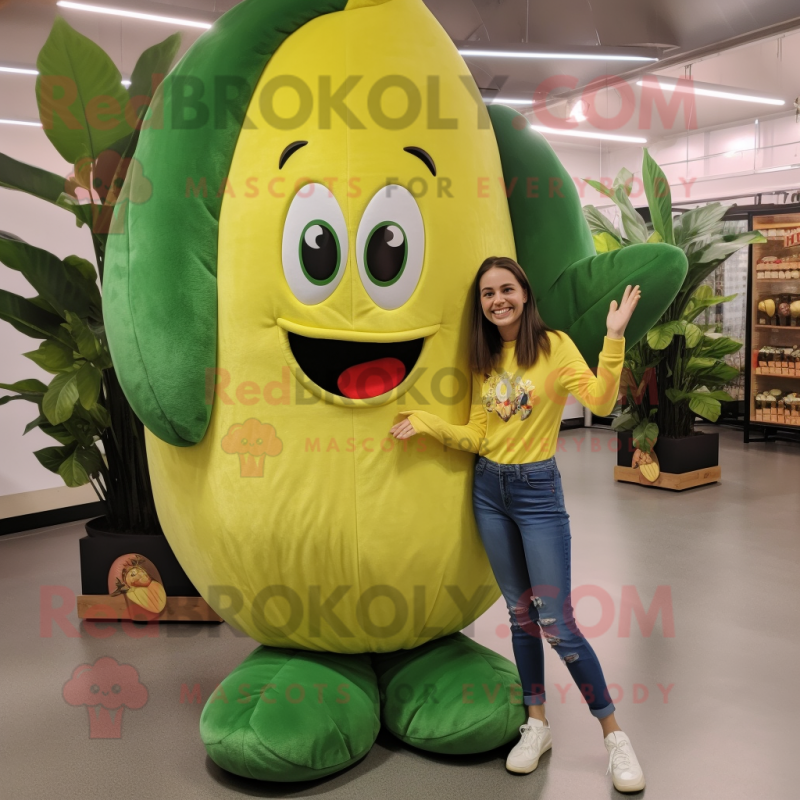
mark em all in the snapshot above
pixel 717 346
pixel 29 319
pixel 645 435
pixel 35 424
pixel 77 77
pixel 710 371
pixel 601 187
pixel 632 220
pixel 61 397
pixel 605 243
pixel 626 421
pixel 624 179
pixel 699 303
pixel 692 334
pixel 659 337
pixel 35 181
pixel 659 198
pixel 599 223
pixel 30 390
pixel 29 386
pixel 85 268
pixel 706 406
pixel 89 345
pixel 153 64
pixel 79 465
pixel 698 223
pixel 88 380
pixel 58 432
pixel 53 457
pixel 52 356
pixel 60 284
pixel 100 416
pixel 720 249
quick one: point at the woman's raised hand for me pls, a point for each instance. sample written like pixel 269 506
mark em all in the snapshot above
pixel 619 316
pixel 403 430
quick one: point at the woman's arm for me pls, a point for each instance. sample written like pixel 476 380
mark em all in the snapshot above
pixel 598 394
pixel 467 437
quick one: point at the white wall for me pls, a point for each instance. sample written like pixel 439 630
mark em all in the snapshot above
pixel 743 159
pixel 51 228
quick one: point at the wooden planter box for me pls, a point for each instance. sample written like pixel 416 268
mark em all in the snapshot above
pixel 684 463
pixel 98 551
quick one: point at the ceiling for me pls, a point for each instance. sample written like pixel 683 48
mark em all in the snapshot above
pixel 682 31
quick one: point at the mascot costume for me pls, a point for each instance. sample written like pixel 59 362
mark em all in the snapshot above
pixel 324 183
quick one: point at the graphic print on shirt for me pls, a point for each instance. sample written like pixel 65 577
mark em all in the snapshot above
pixel 508 395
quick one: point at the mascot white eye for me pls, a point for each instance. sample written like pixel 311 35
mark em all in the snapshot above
pixel 314 244
pixel 390 247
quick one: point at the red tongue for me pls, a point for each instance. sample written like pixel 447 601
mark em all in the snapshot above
pixel 371 378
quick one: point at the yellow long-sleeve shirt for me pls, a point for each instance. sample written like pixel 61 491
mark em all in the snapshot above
pixel 516 414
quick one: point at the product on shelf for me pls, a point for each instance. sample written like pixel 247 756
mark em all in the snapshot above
pixel 779 268
pixel 782 310
pixel 779 361
pixel 766 311
pixel 775 406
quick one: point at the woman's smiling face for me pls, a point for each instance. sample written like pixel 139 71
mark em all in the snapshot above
pixel 502 299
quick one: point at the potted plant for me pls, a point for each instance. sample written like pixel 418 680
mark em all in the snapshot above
pixel 678 371
pixel 98 438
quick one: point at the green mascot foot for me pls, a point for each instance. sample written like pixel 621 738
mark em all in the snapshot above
pixel 450 696
pixel 292 715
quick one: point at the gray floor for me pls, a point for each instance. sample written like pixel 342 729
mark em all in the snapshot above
pixel 728 553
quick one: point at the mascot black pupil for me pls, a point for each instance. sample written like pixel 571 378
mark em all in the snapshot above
pixel 320 253
pixel 386 252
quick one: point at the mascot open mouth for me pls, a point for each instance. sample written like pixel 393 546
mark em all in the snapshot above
pixel 358 370
pixel 354 365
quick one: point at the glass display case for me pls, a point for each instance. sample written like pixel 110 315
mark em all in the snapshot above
pixel 773 341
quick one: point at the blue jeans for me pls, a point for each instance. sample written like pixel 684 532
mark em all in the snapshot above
pixel 524 525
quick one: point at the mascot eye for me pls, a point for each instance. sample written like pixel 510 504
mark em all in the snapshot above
pixel 314 244
pixel 386 254
pixel 320 256
pixel 390 245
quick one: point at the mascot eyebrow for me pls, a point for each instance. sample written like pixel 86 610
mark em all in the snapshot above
pixel 288 151
pixel 421 154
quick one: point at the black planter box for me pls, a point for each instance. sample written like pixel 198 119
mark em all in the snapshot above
pixel 100 549
pixel 675 456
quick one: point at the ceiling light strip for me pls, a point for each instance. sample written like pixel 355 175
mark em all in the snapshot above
pixel 704 90
pixel 19 70
pixel 611 137
pixel 510 101
pixel 119 12
pixel 20 122
pixel 570 56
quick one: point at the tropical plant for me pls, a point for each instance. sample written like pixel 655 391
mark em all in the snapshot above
pixel 100 440
pixel 678 370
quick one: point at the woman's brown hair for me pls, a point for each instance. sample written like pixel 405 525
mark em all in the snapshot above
pixel 485 342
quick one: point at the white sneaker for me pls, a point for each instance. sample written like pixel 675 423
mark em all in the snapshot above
pixel 623 764
pixel 536 739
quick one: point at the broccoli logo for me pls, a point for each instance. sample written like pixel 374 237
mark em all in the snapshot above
pixel 252 441
pixel 106 688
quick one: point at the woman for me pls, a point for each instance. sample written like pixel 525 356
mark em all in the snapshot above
pixel 523 372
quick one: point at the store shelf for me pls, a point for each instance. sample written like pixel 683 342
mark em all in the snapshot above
pixel 759 381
